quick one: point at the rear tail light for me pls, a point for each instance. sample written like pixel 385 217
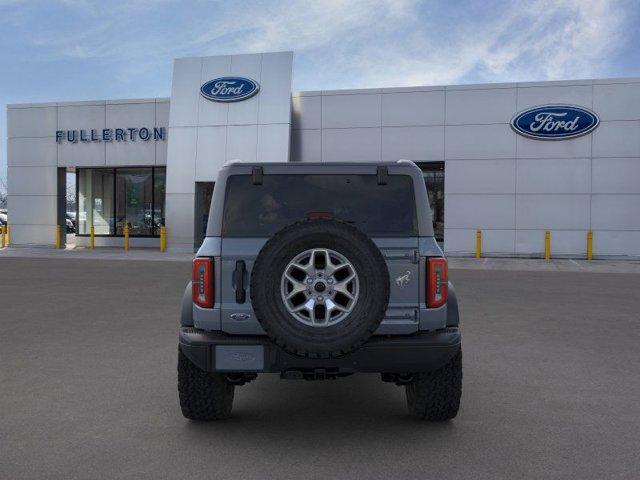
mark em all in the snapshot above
pixel 202 282
pixel 437 282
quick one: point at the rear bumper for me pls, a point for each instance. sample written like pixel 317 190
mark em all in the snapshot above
pixel 218 352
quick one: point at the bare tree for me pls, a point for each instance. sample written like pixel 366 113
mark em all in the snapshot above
pixel 71 195
pixel 3 193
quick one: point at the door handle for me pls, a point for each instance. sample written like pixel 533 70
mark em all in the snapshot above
pixel 238 280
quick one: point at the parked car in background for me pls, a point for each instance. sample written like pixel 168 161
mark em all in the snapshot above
pixel 71 227
pixel 71 222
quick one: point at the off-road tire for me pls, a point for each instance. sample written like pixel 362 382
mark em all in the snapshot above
pixel 306 340
pixel 435 396
pixel 203 395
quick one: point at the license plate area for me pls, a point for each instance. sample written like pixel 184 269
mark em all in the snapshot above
pixel 239 358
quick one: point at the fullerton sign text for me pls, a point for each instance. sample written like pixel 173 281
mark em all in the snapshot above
pixel 111 135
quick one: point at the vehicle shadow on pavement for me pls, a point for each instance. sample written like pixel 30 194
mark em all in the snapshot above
pixel 355 405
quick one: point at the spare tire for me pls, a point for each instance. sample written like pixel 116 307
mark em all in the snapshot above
pixel 320 288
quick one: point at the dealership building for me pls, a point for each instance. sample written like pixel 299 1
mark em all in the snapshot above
pixel 512 160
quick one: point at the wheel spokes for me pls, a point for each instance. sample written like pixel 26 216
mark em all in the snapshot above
pixel 331 306
pixel 315 255
pixel 306 269
pixel 332 269
pixel 307 305
pixel 296 288
pixel 319 287
pixel 343 286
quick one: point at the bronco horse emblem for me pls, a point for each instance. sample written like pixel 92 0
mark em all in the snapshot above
pixel 403 280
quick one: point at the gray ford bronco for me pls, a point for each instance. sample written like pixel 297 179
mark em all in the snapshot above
pixel 317 271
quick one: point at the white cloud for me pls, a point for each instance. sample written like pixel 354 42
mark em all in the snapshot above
pixel 355 43
pixel 557 40
pixel 540 40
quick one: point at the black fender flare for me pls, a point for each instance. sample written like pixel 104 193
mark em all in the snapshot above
pixel 186 311
pixel 453 315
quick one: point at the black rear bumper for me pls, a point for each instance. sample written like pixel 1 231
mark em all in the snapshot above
pixel 421 352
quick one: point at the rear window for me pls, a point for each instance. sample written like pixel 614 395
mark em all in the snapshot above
pixel 262 210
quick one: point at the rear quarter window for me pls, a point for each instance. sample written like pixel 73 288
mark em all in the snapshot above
pixel 262 210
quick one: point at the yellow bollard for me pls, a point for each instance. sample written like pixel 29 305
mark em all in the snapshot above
pixel 478 243
pixel 3 234
pixel 126 237
pixel 547 245
pixel 58 236
pixel 163 239
pixel 8 233
pixel 589 245
pixel 92 237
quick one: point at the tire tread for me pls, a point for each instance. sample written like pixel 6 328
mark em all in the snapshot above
pixel 203 395
pixel 435 396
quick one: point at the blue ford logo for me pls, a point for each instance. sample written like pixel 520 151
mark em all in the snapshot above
pixel 555 122
pixel 229 89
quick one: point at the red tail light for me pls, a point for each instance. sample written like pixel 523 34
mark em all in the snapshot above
pixel 437 282
pixel 202 282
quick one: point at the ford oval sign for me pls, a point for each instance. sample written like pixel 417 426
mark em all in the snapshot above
pixel 229 89
pixel 555 122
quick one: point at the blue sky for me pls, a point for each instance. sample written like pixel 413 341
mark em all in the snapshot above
pixel 83 49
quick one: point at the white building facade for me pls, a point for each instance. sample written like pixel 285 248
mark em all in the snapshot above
pixel 152 162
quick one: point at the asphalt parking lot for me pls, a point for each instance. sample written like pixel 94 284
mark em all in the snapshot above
pixel 551 386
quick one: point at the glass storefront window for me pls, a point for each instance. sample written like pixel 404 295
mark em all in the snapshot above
pixel 95 201
pixel 109 199
pixel 134 199
pixel 159 188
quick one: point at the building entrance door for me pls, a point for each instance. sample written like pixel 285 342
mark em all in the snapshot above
pixel 204 193
pixel 434 179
